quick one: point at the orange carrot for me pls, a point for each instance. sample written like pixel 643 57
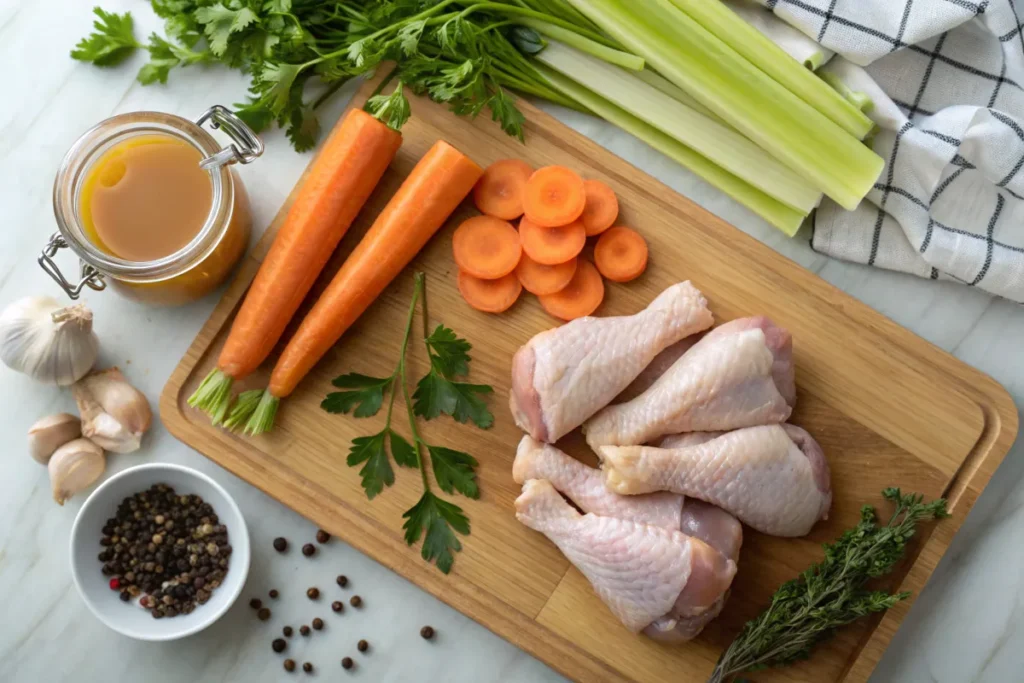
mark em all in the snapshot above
pixel 554 196
pixel 602 207
pixel 433 190
pixel 486 247
pixel 338 183
pixel 499 192
pixel 580 298
pixel 551 246
pixel 540 279
pixel 621 254
pixel 489 296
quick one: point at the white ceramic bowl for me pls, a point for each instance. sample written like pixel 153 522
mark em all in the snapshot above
pixel 127 617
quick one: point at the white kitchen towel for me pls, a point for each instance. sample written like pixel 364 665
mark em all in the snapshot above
pixel 950 201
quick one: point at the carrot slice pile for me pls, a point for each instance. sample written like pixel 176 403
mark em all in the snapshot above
pixel 499 192
pixel 551 246
pixel 489 296
pixel 486 247
pixel 580 298
pixel 554 196
pixel 540 279
pixel 621 254
pixel 601 209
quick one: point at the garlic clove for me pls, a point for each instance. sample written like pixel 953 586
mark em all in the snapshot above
pixel 114 413
pixel 50 433
pixel 47 342
pixel 74 467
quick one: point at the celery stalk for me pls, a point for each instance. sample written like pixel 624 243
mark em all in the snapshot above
pixel 760 51
pixel 746 98
pixel 783 217
pixel 666 86
pixel 800 47
pixel 602 52
pixel 711 139
pixel 857 98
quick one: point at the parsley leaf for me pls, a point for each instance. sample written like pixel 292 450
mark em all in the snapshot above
pixel 454 471
pixel 448 352
pixel 220 22
pixel 404 452
pixel 392 109
pixel 377 472
pixel 164 56
pixel 112 41
pixel 362 392
pixel 436 395
pixel 437 518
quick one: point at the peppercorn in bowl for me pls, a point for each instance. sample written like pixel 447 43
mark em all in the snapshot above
pixel 159 552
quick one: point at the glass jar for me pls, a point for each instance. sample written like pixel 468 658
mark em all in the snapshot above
pixel 201 265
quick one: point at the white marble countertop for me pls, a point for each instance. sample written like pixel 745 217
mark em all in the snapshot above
pixel 966 626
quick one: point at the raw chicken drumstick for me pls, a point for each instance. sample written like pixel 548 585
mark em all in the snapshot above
pixel 585 487
pixel 563 376
pixel 655 580
pixel 774 478
pixel 739 375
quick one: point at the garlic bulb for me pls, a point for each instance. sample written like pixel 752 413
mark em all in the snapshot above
pixel 47 342
pixel 50 433
pixel 74 467
pixel 115 414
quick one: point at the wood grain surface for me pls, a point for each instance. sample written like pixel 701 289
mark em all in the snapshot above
pixel 888 408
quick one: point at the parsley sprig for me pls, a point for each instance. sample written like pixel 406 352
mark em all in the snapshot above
pixel 110 43
pixel 432 518
pixel 831 593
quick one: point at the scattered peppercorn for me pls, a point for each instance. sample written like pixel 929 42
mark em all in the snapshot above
pixel 280 545
pixel 347 663
pixel 289 665
pixel 279 644
pixel 287 630
pixel 362 646
pixel 263 613
pixel 304 630
pixel 427 632
pixel 309 550
pixel 307 667
pixel 337 606
pixel 255 603
pixel 115 583
pixel 342 580
pixel 322 536
pixel 273 593
pixel 313 593
pixel 356 601
pixel 318 623
pixel 125 596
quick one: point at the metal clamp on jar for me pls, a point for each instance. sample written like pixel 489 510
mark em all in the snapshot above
pixel 191 271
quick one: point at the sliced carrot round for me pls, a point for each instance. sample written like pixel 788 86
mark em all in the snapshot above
pixel 601 209
pixel 489 296
pixel 554 196
pixel 486 247
pixel 551 246
pixel 540 279
pixel 499 192
pixel 621 254
pixel 581 296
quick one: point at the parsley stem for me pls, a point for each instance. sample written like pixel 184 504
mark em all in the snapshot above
pixel 417 440
pixel 522 11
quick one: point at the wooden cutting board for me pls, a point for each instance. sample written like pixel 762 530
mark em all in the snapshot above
pixel 888 408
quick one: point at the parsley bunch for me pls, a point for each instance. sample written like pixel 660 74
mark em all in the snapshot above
pixel 300 52
pixel 438 392
pixel 832 593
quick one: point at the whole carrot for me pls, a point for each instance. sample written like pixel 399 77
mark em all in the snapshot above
pixel 339 182
pixel 436 186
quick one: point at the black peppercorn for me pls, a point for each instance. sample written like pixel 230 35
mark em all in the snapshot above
pixel 287 630
pixel 125 596
pixel 427 632
pixel 280 545
pixel 337 606
pixel 308 550
pixel 255 603
pixel 356 601
pixel 263 613
pixel 347 663
pixel 342 580
pixel 289 665
pixel 322 536
pixel 304 630
pixel 273 593
pixel 279 644
pixel 313 593
pixel 318 623
pixel 362 646
pixel 307 667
